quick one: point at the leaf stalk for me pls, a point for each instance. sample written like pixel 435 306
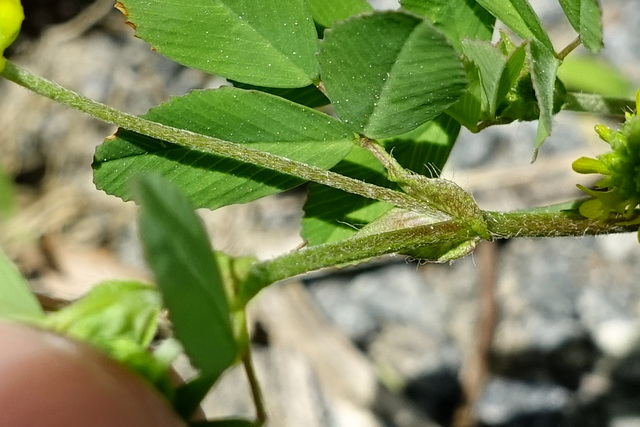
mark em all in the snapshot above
pixel 202 143
pixel 569 48
pixel 254 384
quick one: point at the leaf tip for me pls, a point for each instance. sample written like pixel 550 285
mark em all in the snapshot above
pixel 534 156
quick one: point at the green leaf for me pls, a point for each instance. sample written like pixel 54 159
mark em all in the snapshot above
pixel 180 255
pixel 120 318
pixel 513 69
pixel 586 18
pixel 308 95
pixel 190 394
pixel 544 69
pixel 332 215
pixel 457 19
pixel 520 18
pixel 389 72
pixel 598 104
pixel 426 149
pixel 257 119
pixel 498 73
pixel 17 302
pixel 468 109
pixel 520 102
pixel 111 311
pixel 271 44
pixel 326 12
pixel 491 64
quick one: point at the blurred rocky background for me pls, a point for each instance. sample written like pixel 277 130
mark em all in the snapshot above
pixel 522 333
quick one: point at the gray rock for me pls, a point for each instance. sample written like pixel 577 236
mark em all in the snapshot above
pixel 625 421
pixel 424 368
pixel 538 289
pixel 516 403
pixel 338 303
pixel 405 352
pixel 608 317
pixel 366 302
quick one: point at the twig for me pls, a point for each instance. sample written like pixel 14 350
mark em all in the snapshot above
pixel 79 24
pixel 476 369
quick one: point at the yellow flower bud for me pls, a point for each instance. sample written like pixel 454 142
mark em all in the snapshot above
pixel 604 133
pixel 11 17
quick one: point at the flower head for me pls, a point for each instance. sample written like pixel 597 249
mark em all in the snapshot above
pixel 618 193
pixel 11 17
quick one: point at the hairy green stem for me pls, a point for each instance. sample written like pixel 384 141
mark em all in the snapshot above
pixel 353 250
pixel 598 104
pixel 501 225
pixel 507 225
pixel 202 143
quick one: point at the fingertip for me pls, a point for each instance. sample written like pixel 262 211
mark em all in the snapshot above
pixel 48 380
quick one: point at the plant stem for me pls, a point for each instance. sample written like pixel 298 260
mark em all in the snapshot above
pixel 487 123
pixel 353 250
pixel 501 225
pixel 569 48
pixel 256 391
pixel 581 103
pixel 380 153
pixel 202 143
pixel 507 225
